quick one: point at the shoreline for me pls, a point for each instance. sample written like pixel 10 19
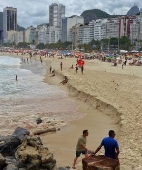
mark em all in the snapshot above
pixel 93 119
pixel 119 97
pixel 94 112
pixel 116 91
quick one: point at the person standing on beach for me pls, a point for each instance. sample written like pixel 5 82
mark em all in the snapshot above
pixel 50 69
pixel 16 78
pixel 41 60
pixel 76 68
pixel 81 147
pixel 82 69
pixel 110 145
pixel 61 65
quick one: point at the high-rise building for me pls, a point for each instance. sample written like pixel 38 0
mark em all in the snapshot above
pixel 9 21
pixel 1 27
pixel 56 13
pixel 68 23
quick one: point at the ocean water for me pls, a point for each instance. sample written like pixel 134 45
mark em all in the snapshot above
pixel 24 100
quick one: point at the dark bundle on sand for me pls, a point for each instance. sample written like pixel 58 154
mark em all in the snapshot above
pixel 20 151
pixel 100 162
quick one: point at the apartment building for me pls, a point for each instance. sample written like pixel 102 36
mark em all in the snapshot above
pixel 56 13
pixel 9 21
pixel 30 34
pixel 74 35
pixel 53 34
pixel 42 34
pixel 67 24
pixel 84 34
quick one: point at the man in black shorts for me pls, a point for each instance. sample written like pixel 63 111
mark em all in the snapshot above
pixel 81 147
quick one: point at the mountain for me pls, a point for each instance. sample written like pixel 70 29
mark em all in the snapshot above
pixel 19 28
pixel 94 14
pixel 133 11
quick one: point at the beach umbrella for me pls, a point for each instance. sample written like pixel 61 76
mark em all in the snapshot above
pixel 80 62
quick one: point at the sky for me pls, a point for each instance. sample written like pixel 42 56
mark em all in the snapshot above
pixel 35 12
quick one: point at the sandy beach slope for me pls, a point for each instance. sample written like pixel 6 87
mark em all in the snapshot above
pixel 115 92
pixel 102 90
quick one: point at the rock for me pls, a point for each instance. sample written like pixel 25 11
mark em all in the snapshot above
pixel 20 133
pixel 9 147
pixel 15 140
pixel 100 162
pixel 50 165
pixel 10 160
pixel 10 167
pixel 5 138
pixel 25 153
pixel 31 166
pixel 33 155
pixel 38 120
pixel 34 141
pixel 2 160
pixel 133 11
pixel 64 168
pixel 21 165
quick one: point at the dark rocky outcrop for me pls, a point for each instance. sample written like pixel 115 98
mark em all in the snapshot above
pixel 38 120
pixel 94 14
pixel 100 162
pixel 28 153
pixel 2 160
pixel 9 145
pixel 133 11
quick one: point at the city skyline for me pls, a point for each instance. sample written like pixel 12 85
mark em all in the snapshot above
pixel 36 12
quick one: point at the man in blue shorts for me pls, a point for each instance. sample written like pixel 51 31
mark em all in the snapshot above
pixel 81 147
pixel 110 145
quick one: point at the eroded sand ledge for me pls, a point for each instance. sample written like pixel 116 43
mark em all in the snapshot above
pixel 117 92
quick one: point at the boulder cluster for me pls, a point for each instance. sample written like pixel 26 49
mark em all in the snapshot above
pixel 21 151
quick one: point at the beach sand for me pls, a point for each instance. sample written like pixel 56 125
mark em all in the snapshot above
pixel 115 92
pixel 112 99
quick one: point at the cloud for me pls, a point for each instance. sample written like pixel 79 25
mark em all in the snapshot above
pixel 34 12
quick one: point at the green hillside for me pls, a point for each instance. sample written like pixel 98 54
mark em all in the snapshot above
pixel 19 28
pixel 94 14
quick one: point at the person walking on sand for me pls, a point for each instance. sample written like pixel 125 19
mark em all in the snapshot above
pixel 82 69
pixel 81 147
pixel 110 145
pixel 61 65
pixel 76 68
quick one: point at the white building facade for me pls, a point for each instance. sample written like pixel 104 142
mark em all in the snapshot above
pixel 67 24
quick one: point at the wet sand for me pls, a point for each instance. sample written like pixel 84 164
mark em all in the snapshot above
pixel 98 123
pixel 63 143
